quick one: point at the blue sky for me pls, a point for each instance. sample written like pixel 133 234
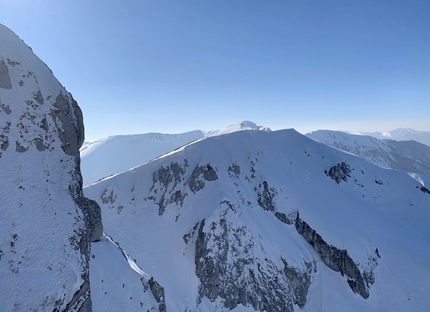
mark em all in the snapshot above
pixel 141 66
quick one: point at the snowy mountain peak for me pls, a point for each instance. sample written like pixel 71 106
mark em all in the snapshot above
pixel 239 126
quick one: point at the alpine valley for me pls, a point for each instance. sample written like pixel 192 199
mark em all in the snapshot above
pixel 240 219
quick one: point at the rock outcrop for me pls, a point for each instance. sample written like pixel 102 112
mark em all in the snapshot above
pixel 228 268
pixel 337 259
pixel 47 224
pixel 340 173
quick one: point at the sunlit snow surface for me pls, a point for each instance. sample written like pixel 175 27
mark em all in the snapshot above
pixel 375 208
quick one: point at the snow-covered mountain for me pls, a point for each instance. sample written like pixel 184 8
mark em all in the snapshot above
pixel 119 153
pixel 273 221
pixel 402 134
pixel 243 221
pixel 46 224
pixel 409 156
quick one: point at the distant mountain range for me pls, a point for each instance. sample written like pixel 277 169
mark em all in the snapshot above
pixel 402 134
pixel 409 156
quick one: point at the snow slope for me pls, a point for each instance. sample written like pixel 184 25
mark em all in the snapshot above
pixel 274 221
pixel 402 134
pixel 410 156
pixel 119 153
pixel 117 283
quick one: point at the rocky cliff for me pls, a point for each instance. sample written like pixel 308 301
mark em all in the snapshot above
pixel 46 224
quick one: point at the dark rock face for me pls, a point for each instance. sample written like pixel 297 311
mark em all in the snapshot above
pixel 165 181
pixel 5 82
pixel 228 268
pixel 93 218
pixel 284 218
pixel 201 174
pixel 158 293
pixel 234 171
pixel 424 190
pixel 300 281
pixel 340 172
pixel 69 122
pixel 171 184
pixel 266 197
pixel 336 259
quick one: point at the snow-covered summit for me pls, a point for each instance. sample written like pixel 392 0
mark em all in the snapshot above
pixel 239 126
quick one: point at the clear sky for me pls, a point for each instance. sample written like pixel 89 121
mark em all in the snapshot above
pixel 140 66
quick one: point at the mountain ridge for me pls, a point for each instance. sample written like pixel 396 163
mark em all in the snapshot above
pixel 119 153
pixel 249 213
